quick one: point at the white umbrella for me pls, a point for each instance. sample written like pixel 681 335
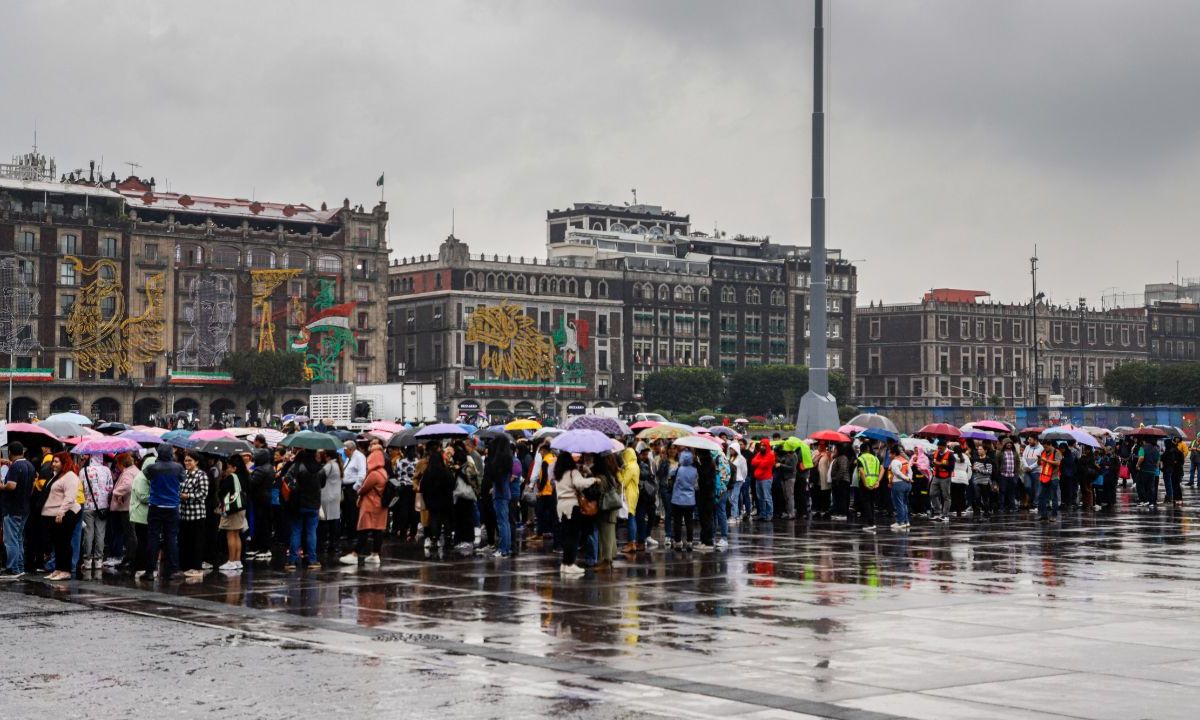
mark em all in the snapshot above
pixel 698 443
pixel 872 420
pixel 71 417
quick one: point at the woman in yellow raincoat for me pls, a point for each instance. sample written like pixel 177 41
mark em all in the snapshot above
pixel 629 477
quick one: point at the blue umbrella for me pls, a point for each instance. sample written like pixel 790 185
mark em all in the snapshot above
pixel 877 433
pixel 179 438
pixel 468 428
pixel 582 441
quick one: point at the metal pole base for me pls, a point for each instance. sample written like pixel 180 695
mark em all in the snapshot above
pixel 817 412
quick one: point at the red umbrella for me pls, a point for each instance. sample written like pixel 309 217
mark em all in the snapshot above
pixel 943 430
pixel 1035 430
pixel 1148 432
pixel 831 436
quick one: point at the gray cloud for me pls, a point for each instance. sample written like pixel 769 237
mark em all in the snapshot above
pixel 962 132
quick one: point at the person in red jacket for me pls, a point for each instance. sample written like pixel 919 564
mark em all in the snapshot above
pixel 762 469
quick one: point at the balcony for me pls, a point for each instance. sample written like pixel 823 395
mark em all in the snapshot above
pixel 150 261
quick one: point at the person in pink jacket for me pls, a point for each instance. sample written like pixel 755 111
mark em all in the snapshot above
pixel 62 512
pixel 372 515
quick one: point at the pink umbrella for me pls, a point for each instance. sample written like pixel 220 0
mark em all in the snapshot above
pixel 29 428
pixel 849 429
pixel 643 424
pixel 210 435
pixel 992 425
pixel 701 430
pixel 390 428
pixel 383 435
pixel 105 446
pixel 156 431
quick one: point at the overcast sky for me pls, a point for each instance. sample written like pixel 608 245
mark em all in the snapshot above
pixel 962 132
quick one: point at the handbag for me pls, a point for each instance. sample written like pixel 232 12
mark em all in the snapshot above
pixel 611 499
pixel 587 507
pixel 100 514
pixel 463 490
pixel 233 501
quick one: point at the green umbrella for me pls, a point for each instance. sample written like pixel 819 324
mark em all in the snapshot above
pixel 309 440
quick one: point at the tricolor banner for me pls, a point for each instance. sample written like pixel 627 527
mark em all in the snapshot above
pixel 335 317
pixel 193 377
pixel 26 375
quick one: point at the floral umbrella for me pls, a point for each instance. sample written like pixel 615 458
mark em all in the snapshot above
pixel 664 432
pixel 599 423
pixel 106 446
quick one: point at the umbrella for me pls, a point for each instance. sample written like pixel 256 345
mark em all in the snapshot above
pixel 342 435
pixel 441 431
pixel 664 432
pixel 155 431
pixel 849 429
pixel 871 420
pixel 468 428
pixel 222 447
pixel 979 435
pixel 582 440
pixel 548 432
pixel 141 437
pixel 179 438
pixel 1148 432
pixel 643 425
pixel 387 426
pixel 309 440
pixel 1171 431
pixel 791 444
pixel 106 446
pixel 523 424
pixel 112 428
pixel 942 430
pixel 698 443
pixel 71 417
pixel 1032 430
pixel 489 434
pixel 830 436
pixel 992 425
pixel 705 419
pixel 271 435
pixel 1097 431
pixel 743 421
pixel 1069 434
pixel 63 428
pixel 210 435
pixel 913 444
pixel 405 438
pixel 599 423
pixel 875 433
pixel 29 435
pixel 1122 429
pixel 721 431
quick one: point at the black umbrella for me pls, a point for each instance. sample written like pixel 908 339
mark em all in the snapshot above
pixel 223 447
pixel 342 434
pixel 112 428
pixel 489 434
pixel 403 438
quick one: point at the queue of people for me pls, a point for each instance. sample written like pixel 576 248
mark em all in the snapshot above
pixel 181 514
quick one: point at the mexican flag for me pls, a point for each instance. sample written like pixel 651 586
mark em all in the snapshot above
pixel 333 318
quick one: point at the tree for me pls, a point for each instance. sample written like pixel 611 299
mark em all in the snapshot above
pixel 685 389
pixel 1140 383
pixel 776 388
pixel 261 375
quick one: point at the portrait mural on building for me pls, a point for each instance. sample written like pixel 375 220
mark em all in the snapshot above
pixel 102 337
pixel 210 314
pixel 18 303
pixel 514 349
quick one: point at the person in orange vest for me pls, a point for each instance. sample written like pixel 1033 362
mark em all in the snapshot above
pixel 1049 463
pixel 939 486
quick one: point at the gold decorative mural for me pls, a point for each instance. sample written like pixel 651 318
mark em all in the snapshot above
pixel 102 337
pixel 514 347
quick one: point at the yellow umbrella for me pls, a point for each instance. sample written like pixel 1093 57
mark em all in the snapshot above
pixel 664 432
pixel 523 424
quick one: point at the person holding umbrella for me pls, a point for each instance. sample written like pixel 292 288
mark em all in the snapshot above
pixel 570 485
pixel 304 508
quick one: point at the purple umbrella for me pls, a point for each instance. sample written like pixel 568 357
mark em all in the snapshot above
pixel 141 437
pixel 106 446
pixel 978 435
pixel 582 441
pixel 440 431
pixel 599 423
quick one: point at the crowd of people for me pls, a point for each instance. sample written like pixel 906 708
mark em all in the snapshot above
pixel 178 513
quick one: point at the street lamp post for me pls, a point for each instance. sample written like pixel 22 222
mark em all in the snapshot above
pixel 401 369
pixel 12 364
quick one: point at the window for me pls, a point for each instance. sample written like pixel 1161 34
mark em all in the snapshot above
pixel 943 328
pixel 26 242
pixel 602 324
pixel 1018 330
pixel 677 296
pixel 1091 334
pixel 362 320
pixel 150 251
pixel 873 361
pixel 997 330
pixel 1074 333
pixel 108 247
pixel 360 375
pixel 66 369
pixel 753 297
pixel 223 256
pixel 66 274
pixel 980 330
pixel 68 244
pixel 329 265
pixel 1056 332
pixel 260 259
pixel 65 302
pixel 876 324
pixel 889 387
pixel 777 298
pixel 602 360
pixel 1125 335
pixel 833 305
pixel 1108 334
pixel 363 237
pixel 1141 336
pixel 964 329
pixel 362 293
pixel 602 289
pixel 702 295
pixel 108 308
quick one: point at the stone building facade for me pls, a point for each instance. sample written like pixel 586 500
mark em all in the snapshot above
pixel 140 294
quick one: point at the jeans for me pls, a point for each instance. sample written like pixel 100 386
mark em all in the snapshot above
pixel 1008 494
pixel 1169 484
pixel 304 524
pixel 14 542
pixel 1032 485
pixel 735 500
pixel 665 498
pixel 503 528
pixel 766 508
pixel 162 532
pixel 900 492
pixel 76 541
pixel 1194 471
pixel 745 502
pixel 720 515
pixel 1047 496
pixel 62 534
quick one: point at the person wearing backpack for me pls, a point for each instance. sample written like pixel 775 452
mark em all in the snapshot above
pixel 869 471
pixel 232 509
pixel 570 485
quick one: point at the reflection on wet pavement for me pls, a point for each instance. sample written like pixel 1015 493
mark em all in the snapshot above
pixel 1094 617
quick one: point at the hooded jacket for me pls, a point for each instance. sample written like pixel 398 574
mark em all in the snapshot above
pixel 630 477
pixel 762 464
pixel 372 515
pixel 262 478
pixel 686 477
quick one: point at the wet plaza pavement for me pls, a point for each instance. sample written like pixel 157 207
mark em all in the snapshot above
pixel 1093 617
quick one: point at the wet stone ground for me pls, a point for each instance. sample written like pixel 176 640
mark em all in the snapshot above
pixel 1093 617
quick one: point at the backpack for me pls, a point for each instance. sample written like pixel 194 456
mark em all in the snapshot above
pixel 287 484
pixel 233 501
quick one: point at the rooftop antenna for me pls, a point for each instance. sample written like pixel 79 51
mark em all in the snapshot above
pixel 634 191
pixel 132 166
pixel 451 222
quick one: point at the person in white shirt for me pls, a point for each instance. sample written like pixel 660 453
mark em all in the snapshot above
pixel 1031 469
pixel 901 489
pixel 740 471
pixel 353 476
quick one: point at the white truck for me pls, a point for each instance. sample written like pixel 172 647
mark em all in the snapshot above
pixel 391 401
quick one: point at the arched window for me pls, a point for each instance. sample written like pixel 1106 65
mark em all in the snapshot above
pixel 491 281
pixel 510 283
pixel 329 265
pixel 664 293
pixel 260 259
pixel 656 233
pixel 225 256
pixel 521 284
pixel 296 260
pixel 638 230
pixel 728 294
pixel 689 294
pixel 469 280
pixel 777 297
pixel 703 295
pixel 677 296
pixel 543 286
pixel 618 227
pixel 572 288
pixel 602 289
pixel 753 297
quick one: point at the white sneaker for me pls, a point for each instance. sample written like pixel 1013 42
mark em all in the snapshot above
pixel 701 547
pixel 651 542
pixel 572 570
pixel 722 543
pixel 206 566
pixel 945 518
pixel 869 529
pixel 112 562
pixel 372 559
pixel 138 575
pixel 231 566
pixel 350 559
pixel 666 543
pixel 897 527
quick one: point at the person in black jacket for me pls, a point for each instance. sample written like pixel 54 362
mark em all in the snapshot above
pixel 305 480
pixel 437 491
pixel 262 482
